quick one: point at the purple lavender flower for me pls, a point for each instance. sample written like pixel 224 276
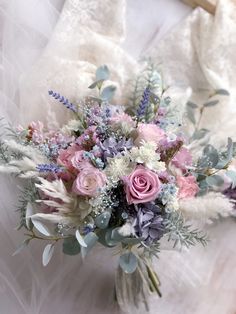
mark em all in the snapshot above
pixel 148 224
pixel 63 100
pixel 49 168
pixel 112 147
pixel 144 102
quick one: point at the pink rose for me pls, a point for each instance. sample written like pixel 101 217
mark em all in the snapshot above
pixel 77 159
pixel 89 181
pixel 142 186
pixel 65 156
pixel 182 159
pixel 187 186
pixel 149 133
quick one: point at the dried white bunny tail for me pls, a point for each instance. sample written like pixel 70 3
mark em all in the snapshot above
pixel 207 208
pixel 55 189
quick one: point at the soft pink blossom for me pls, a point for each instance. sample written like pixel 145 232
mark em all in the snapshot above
pixel 77 159
pixel 187 186
pixel 36 132
pixel 142 186
pixel 66 155
pixel 122 118
pixel 182 159
pixel 89 181
pixel 149 133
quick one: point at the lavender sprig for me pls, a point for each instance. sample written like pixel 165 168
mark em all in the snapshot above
pixel 49 168
pixel 63 100
pixel 144 102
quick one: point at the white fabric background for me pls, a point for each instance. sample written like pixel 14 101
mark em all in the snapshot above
pixel 35 58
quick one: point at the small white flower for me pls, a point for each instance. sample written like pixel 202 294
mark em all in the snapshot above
pixel 119 167
pixel 146 154
pixel 126 230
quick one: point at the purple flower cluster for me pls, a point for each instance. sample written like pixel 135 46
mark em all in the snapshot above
pixel 148 224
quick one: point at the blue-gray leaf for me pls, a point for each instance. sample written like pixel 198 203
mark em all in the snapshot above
pixel 80 239
pixel 47 254
pixel 222 92
pixel 102 220
pixel 90 239
pixel 215 180
pixel 40 226
pixel 102 73
pixel 211 103
pixel 71 246
pixel 232 175
pixel 192 105
pixel 128 262
pixel 108 92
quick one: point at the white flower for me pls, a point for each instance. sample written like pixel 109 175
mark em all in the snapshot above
pixel 126 230
pixel 146 154
pixel 119 167
pixel 73 125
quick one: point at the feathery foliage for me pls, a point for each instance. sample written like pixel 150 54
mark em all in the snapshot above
pixel 29 195
pixel 182 234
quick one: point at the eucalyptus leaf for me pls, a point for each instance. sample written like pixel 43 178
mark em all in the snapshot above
pixel 108 238
pixel 47 254
pixel 215 180
pixel 40 226
pixel 21 247
pixel 71 246
pixel 80 239
pixel 211 103
pixel 102 220
pixel 229 155
pixel 222 92
pixel 128 262
pixel 200 134
pixel 210 157
pixel 96 84
pixel 102 73
pixel 191 114
pixel 192 105
pixel 116 236
pixel 232 175
pixel 108 92
pixel 90 239
pixel 29 212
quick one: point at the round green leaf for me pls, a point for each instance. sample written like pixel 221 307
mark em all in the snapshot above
pixel 128 262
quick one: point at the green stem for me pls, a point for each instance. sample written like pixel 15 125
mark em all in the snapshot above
pixel 154 280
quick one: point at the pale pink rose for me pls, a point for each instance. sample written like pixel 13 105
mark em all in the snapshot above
pixel 89 181
pixel 122 118
pixel 77 159
pixel 65 156
pixel 142 186
pixel 187 186
pixel 182 159
pixel 149 133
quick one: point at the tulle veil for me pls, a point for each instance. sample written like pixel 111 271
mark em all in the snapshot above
pixel 67 285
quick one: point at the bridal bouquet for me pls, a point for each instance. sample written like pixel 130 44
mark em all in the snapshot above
pixel 115 176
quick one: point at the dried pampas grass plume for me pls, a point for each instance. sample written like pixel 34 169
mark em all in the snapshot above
pixel 207 208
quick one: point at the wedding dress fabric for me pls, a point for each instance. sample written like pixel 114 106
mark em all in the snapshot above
pixel 64 58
